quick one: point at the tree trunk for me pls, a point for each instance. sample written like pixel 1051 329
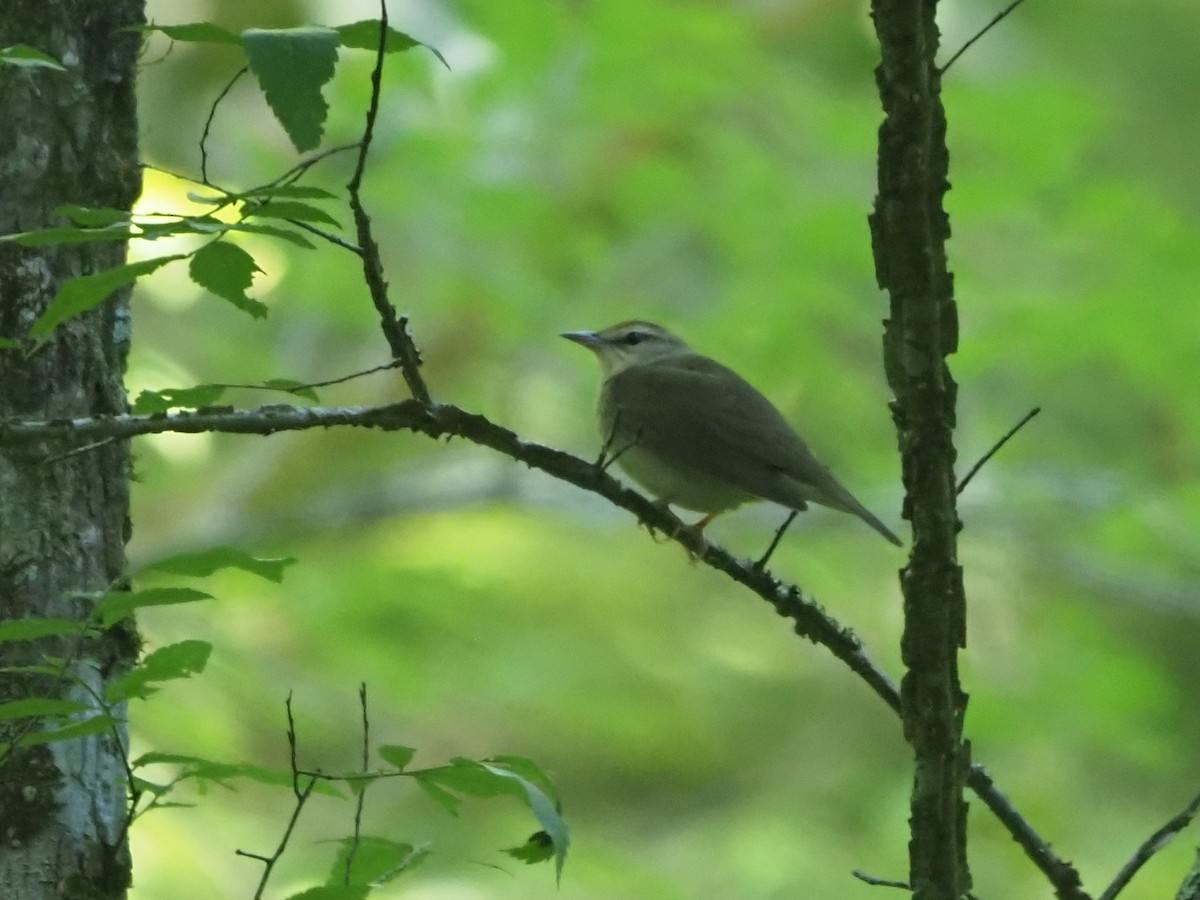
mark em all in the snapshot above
pixel 67 137
pixel 909 229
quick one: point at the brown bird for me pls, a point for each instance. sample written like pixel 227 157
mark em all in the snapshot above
pixel 697 435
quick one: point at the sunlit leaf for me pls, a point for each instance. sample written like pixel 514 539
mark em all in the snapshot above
pixel 396 755
pixel 40 706
pixel 149 402
pixel 94 725
pixel 364 35
pixel 292 209
pixel 117 606
pixel 30 629
pixel 374 859
pixel 26 57
pixel 194 32
pixel 206 562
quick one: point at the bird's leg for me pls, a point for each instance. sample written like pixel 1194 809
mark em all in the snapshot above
pixel 762 563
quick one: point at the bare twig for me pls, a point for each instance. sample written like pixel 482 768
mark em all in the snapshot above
pixel 995 447
pixel 326 236
pixel 765 558
pixel 362 792
pixel 302 794
pixel 996 20
pixel 212 112
pixel 395 330
pixel 880 882
pixel 1150 846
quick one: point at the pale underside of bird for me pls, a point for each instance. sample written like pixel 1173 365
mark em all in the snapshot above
pixel 697 435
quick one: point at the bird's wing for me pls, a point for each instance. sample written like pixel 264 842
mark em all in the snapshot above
pixel 718 423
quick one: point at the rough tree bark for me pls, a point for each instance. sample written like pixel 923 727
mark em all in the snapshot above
pixel 67 137
pixel 909 229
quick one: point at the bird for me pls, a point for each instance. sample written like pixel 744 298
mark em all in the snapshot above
pixel 697 435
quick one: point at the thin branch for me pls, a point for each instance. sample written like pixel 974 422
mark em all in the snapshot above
pixel 395 330
pixel 880 882
pixel 326 236
pixel 996 20
pixel 995 447
pixel 212 112
pixel 302 795
pixel 1150 846
pixel 762 562
pixel 362 791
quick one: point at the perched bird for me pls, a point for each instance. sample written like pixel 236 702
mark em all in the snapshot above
pixel 697 435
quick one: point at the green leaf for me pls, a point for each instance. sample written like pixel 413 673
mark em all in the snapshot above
pixel 150 402
pixel 40 706
pixel 291 386
pixel 181 660
pixel 27 57
pixel 538 848
pixel 396 755
pixel 275 231
pixel 88 291
pixel 291 65
pixel 375 860
pixel 115 607
pixel 292 192
pixel 67 235
pixel 334 892
pixel 194 33
pixel 200 769
pixel 7 343
pixel 292 209
pixel 92 216
pixel 440 796
pixel 94 725
pixel 543 807
pixel 30 629
pixel 364 35
pixel 227 270
pixel 204 563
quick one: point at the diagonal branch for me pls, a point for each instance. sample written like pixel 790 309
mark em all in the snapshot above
pixel 808 619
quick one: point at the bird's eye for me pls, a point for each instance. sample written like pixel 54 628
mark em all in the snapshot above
pixel 634 337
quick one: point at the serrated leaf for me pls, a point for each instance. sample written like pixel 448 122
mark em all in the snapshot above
pixel 204 563
pixel 26 57
pixel 94 725
pixel 397 756
pixel 291 192
pixel 180 660
pixel 227 270
pixel 194 33
pixel 88 291
pixel 115 607
pixel 150 402
pixel 40 706
pixel 92 216
pixel 67 235
pixel 292 65
pixel 364 35
pixel 439 795
pixel 31 629
pixel 375 859
pixel 275 231
pixel 292 209
pixel 334 892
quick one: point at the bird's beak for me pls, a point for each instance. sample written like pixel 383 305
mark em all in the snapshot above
pixel 589 339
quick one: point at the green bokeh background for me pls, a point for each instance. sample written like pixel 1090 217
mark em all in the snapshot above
pixel 708 165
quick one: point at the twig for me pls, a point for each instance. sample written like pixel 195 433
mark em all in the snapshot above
pixel 1150 846
pixel 302 795
pixel 996 20
pixel 212 112
pixel 995 447
pixel 762 562
pixel 326 236
pixel 362 792
pixel 395 330
pixel 880 882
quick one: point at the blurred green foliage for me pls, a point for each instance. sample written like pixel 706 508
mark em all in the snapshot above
pixel 709 165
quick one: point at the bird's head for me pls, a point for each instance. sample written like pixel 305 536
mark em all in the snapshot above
pixel 628 344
